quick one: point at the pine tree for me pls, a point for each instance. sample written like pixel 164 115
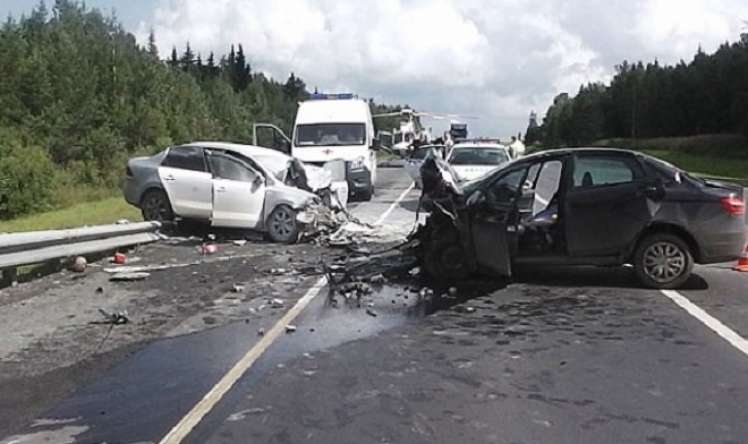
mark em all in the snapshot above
pixel 152 48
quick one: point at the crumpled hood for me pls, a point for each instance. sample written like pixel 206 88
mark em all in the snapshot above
pixel 317 177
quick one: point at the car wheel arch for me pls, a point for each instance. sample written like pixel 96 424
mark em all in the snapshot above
pixel 673 229
pixel 151 188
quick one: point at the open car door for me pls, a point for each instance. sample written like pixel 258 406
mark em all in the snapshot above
pixel 238 192
pixel 494 222
pixel 270 136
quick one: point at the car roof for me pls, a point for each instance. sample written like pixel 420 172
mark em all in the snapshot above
pixel 558 152
pixel 479 145
pixel 246 150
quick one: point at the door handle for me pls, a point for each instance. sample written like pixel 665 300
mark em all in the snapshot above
pixel 221 190
pixel 170 178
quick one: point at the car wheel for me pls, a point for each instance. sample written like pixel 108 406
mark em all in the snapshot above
pixel 445 259
pixel 282 226
pixel 155 206
pixel 663 261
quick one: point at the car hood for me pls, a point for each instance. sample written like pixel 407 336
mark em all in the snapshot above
pixel 317 177
pixel 472 172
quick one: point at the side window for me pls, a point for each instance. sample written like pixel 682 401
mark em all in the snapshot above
pixel 547 184
pixel 186 158
pixel 592 171
pixel 505 189
pixel 225 167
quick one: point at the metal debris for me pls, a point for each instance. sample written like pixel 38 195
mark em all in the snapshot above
pixel 277 303
pixel 290 328
pixel 261 332
pixel 371 312
pixel 239 242
pixel 124 277
pixel 237 288
pixel 115 318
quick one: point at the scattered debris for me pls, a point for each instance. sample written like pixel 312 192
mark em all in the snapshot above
pixel 371 312
pixel 99 290
pixel 119 258
pixel 261 332
pixel 377 279
pixel 452 291
pixel 277 303
pixel 237 288
pixel 239 242
pixel 79 264
pixel 290 328
pixel 469 309
pixel 122 222
pixel 123 277
pixel 115 318
pixel 208 249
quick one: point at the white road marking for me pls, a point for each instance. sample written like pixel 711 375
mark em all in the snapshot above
pixel 394 204
pixel 710 321
pixel 209 401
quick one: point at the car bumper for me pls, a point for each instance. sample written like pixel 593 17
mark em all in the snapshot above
pixel 723 246
pixel 131 192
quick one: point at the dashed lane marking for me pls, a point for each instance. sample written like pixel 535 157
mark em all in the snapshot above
pixel 383 217
pixel 710 321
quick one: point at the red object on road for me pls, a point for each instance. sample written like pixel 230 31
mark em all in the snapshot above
pixel 742 264
pixel 119 258
pixel 209 249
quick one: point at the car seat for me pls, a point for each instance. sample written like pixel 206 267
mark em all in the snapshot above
pixel 587 180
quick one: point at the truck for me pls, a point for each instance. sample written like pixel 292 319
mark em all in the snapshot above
pixel 334 127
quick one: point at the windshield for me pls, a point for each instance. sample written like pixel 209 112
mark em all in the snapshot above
pixel 478 156
pixel 330 134
pixel 277 165
pixel 422 152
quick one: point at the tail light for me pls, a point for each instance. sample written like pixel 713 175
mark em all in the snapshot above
pixel 733 205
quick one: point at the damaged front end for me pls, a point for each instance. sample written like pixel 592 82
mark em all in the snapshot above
pixel 444 246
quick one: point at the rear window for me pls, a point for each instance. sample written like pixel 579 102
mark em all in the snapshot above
pixel 185 158
pixel 421 153
pixel 478 156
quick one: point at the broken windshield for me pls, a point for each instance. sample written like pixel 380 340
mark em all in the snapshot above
pixel 330 134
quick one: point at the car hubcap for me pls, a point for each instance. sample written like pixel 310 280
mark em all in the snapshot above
pixel 282 223
pixel 664 261
pixel 154 209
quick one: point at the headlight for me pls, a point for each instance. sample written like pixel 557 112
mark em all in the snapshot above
pixel 358 164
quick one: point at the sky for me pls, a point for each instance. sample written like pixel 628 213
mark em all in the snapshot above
pixel 492 59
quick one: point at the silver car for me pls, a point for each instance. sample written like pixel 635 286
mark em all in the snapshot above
pixel 232 185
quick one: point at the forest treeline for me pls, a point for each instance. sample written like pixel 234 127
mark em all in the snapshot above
pixel 708 95
pixel 79 95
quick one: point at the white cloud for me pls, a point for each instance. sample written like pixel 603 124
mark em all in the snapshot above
pixel 496 59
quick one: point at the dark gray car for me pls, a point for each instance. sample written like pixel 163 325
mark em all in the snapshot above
pixel 583 206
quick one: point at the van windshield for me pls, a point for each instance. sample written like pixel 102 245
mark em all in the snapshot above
pixel 330 134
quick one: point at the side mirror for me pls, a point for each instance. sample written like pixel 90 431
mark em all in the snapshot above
pixel 259 180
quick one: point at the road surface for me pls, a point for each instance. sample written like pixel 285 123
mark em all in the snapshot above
pixel 564 356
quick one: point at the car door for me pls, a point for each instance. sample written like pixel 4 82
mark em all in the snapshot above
pixel 238 192
pixel 187 182
pixel 605 205
pixel 494 222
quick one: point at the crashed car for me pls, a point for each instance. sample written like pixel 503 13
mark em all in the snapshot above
pixel 604 207
pixel 415 160
pixel 232 185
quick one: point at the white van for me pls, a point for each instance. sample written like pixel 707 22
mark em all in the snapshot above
pixel 338 126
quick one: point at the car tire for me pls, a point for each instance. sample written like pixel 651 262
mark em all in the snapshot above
pixel 663 261
pixel 282 226
pixel 155 206
pixel 445 259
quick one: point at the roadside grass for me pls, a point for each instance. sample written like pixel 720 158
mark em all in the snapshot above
pixel 97 212
pixel 710 166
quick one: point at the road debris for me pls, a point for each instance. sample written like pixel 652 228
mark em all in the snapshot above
pixel 119 258
pixel 239 242
pixel 78 264
pixel 371 312
pixel 260 332
pixel 277 303
pixel 126 277
pixel 206 249
pixel 115 318
pixel 290 328
pixel 238 288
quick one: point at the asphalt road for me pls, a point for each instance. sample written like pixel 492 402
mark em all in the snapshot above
pixel 562 356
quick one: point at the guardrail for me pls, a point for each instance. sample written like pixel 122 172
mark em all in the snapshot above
pixel 35 247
